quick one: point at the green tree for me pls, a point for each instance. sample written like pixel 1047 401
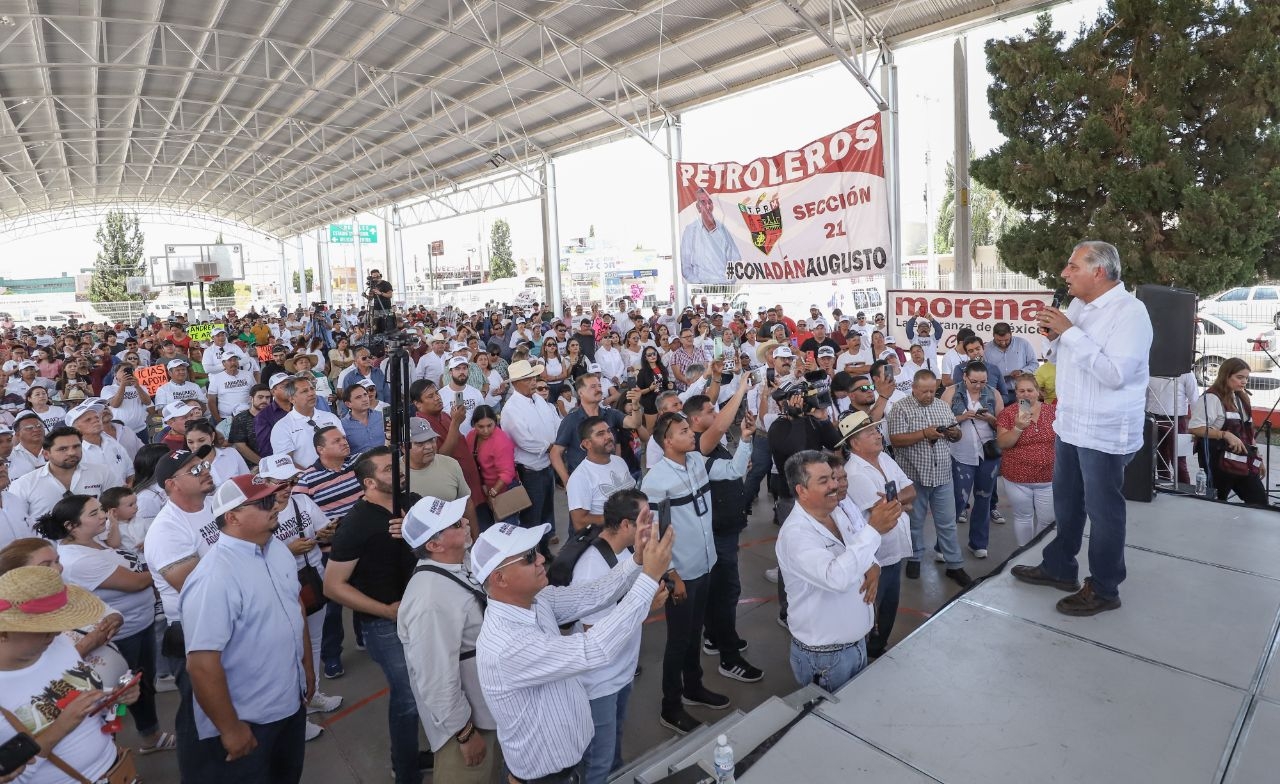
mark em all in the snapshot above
pixel 989 215
pixel 1155 130
pixel 221 288
pixel 311 282
pixel 119 258
pixel 501 263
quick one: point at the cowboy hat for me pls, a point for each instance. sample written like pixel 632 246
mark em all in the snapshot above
pixel 34 599
pixel 852 423
pixel 518 371
pixel 764 351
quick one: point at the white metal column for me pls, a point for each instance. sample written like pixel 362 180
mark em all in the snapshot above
pixel 286 287
pixel 674 152
pixel 962 277
pixel 551 236
pixel 397 245
pixel 322 264
pixel 361 277
pixel 302 275
pixel 893 178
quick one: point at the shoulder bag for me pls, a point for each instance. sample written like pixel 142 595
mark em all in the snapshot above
pixel 312 584
pixel 123 771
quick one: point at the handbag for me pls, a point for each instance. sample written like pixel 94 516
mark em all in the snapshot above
pixel 123 771
pixel 509 502
pixel 990 449
pixel 311 591
pixel 1230 463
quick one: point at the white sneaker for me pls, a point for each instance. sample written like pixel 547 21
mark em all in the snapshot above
pixel 313 731
pixel 165 683
pixel 963 519
pixel 939 557
pixel 996 517
pixel 323 703
pixel 978 553
pixel 771 575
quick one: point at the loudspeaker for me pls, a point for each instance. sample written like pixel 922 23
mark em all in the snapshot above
pixel 1140 474
pixel 1173 328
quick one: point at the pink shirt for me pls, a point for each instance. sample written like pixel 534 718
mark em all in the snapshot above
pixel 496 457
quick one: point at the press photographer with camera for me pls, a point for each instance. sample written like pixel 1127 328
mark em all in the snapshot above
pixel 379 294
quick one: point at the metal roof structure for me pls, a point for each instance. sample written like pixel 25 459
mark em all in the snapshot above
pixel 284 115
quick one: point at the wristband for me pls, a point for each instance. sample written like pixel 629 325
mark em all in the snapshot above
pixel 466 732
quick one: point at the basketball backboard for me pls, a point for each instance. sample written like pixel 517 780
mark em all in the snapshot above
pixel 201 263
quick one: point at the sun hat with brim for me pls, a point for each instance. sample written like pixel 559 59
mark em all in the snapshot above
pixel 765 350
pixel 500 542
pixel 519 371
pixel 291 364
pixel 853 423
pixel 34 599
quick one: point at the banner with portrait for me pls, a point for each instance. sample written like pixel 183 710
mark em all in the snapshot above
pixel 817 213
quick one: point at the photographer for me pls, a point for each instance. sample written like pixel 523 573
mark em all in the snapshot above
pixel 379 295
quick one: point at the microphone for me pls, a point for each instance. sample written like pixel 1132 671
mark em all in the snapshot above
pixel 1059 295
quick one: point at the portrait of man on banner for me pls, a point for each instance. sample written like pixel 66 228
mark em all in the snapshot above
pixel 706 247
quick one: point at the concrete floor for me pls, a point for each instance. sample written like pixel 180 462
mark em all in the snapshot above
pixel 354 747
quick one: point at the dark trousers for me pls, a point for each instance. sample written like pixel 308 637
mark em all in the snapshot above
pixel 1249 489
pixel 723 590
pixel 761 462
pixel 681 659
pixel 139 652
pixel 1089 483
pixel 332 633
pixel 277 759
pixel 540 484
pixel 886 608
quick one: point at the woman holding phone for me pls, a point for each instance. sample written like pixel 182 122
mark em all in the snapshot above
pixel 1025 432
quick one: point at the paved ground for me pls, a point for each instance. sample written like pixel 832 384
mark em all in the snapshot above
pixel 354 747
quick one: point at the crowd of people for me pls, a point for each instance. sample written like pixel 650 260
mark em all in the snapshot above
pixel 210 532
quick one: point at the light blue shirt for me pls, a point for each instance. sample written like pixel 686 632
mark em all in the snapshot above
pixel 241 600
pixel 1019 356
pixel 364 437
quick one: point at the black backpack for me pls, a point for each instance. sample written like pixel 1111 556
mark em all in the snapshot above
pixel 560 571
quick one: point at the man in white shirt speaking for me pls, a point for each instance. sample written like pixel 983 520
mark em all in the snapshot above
pixel 828 561
pixel 531 674
pixel 1101 346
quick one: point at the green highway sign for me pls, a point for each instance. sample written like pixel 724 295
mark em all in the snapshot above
pixel 341 234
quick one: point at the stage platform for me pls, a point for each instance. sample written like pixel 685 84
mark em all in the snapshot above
pixel 1180 685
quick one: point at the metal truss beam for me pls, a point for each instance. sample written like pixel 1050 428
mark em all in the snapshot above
pixel 846 33
pixel 470 199
pixel 74 215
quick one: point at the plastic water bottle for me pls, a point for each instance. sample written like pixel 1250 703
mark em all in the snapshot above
pixel 724 761
pixel 1202 482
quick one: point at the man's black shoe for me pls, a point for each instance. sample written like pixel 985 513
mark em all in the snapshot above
pixel 680 721
pixel 960 577
pixel 740 669
pixel 1037 576
pixel 426 761
pixel 704 697
pixel 913 570
pixel 1085 602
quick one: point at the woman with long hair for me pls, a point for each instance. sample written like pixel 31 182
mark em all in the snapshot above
pixel 48 363
pixel 554 369
pixel 38 401
pixel 652 380
pixel 495 457
pixel 120 579
pixel 225 462
pixel 574 359
pixel 316 349
pixel 151 496
pixel 72 387
pixel 1024 431
pixel 341 356
pixel 497 386
pixel 631 351
pixel 1222 423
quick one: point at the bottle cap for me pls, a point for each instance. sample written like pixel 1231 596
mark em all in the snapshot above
pixel 722 741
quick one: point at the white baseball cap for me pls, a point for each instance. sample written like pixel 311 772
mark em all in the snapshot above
pixel 456 345
pixel 278 378
pixel 278 467
pixel 429 517
pixel 457 362
pixel 176 363
pixel 175 409
pixel 826 351
pixel 217 331
pixel 782 351
pixel 27 364
pixel 5 430
pixel 87 405
pixel 500 542
pixel 593 368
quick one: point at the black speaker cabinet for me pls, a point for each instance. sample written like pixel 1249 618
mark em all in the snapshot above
pixel 1173 328
pixel 1140 474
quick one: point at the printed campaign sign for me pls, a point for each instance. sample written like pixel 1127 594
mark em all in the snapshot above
pixel 151 377
pixel 818 213
pixel 977 310
pixel 264 353
pixel 203 332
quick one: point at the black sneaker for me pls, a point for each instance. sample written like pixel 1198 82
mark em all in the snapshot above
pixel 704 697
pixel 960 577
pixel 679 721
pixel 709 649
pixel 741 670
pixel 913 570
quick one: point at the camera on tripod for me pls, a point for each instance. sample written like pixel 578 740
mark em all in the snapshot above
pixel 319 308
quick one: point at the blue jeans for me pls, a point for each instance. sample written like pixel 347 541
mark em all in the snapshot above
pixel 976 484
pixel 761 462
pixel 383 644
pixel 604 752
pixel 830 670
pixel 886 608
pixel 1089 483
pixel 941 500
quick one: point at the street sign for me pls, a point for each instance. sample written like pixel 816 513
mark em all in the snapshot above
pixel 437 247
pixel 341 234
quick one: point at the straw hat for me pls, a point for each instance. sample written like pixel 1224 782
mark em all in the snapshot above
pixel 34 599
pixel 765 350
pixel 521 370
pixel 853 423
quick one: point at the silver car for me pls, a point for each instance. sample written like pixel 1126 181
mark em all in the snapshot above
pixel 1251 304
pixel 1219 336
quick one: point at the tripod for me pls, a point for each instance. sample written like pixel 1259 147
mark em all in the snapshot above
pixel 398 378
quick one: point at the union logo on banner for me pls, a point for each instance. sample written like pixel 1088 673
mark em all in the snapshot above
pixel 763 219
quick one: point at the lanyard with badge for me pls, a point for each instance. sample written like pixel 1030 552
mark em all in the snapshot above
pixel 699 500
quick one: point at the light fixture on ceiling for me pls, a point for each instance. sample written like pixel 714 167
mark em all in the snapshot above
pixel 6 21
pixel 497 160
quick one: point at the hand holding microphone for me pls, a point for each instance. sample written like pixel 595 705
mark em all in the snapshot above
pixel 1053 322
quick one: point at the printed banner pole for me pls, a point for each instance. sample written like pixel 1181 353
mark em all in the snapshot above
pixel 675 146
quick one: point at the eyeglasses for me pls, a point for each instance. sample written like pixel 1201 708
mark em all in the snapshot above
pixel 528 559
pixel 542 389
pixel 265 504
pixel 198 468
pixel 864 388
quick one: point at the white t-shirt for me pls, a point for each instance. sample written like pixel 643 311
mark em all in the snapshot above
pixel 31 694
pixel 609 678
pixel 495 382
pixel 131 413
pixel 591 484
pixel 299 518
pixel 293 435
pixel 88 567
pixel 173 536
pixel 232 391
pixel 471 398
pixel 866 485
pixel 53 417
pixel 172 391
pixel 862 357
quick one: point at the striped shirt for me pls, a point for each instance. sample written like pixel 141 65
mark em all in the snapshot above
pixel 529 672
pixel 335 492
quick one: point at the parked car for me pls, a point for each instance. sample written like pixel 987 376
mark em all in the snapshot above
pixel 1251 304
pixel 1219 337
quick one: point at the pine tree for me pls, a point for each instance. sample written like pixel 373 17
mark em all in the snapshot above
pixel 120 258
pixel 310 280
pixel 1155 130
pixel 501 263
pixel 221 288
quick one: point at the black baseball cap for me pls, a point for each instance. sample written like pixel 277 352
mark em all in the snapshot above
pixel 169 465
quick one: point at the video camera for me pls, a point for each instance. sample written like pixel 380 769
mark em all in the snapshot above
pixel 319 308
pixel 815 389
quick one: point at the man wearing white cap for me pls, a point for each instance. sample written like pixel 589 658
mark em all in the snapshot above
pixel 130 401
pixel 97 447
pixel 229 388
pixel 65 472
pixel 26 379
pixel 175 417
pixel 438 623
pixel 178 387
pixel 248 654
pixel 459 392
pixel 431 366
pixel 530 673
pixel 294 434
pixel 219 351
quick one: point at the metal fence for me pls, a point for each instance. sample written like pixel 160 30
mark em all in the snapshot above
pixel 984 279
pixel 130 311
